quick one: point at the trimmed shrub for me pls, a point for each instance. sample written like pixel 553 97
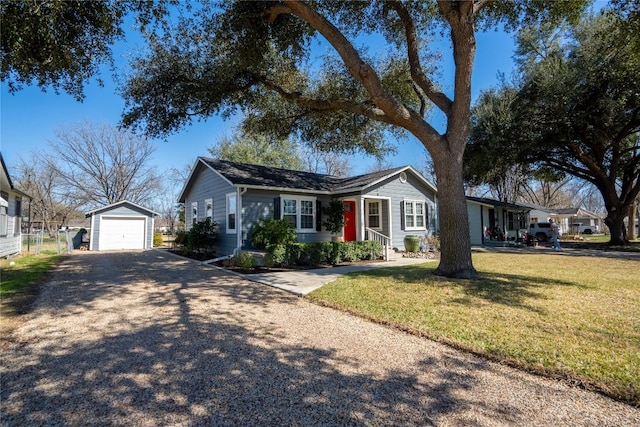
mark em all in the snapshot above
pixel 157 239
pixel 244 260
pixel 321 253
pixel 268 232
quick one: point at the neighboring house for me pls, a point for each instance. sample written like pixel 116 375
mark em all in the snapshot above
pixel 493 220
pixel 385 205
pixel 565 217
pixel 11 211
pixel 122 225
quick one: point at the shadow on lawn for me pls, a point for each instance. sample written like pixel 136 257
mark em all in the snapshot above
pixel 509 289
pixel 210 363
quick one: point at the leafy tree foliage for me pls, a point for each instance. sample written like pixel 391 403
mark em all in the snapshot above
pixel 63 43
pixel 577 110
pixel 255 57
pixel 257 149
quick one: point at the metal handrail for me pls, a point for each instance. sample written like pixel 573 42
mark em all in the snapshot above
pixel 385 241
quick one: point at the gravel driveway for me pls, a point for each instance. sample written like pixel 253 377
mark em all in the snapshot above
pixel 148 339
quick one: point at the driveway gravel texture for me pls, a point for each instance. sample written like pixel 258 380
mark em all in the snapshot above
pixel 149 339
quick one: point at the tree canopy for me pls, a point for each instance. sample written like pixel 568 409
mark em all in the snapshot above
pixel 576 110
pixel 61 44
pixel 255 58
pixel 258 150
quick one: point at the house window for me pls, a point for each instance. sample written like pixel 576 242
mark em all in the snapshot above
pixel 194 213
pixel 3 220
pixel 17 227
pixel 231 213
pixel 414 215
pixel 208 209
pixel 301 212
pixel 373 215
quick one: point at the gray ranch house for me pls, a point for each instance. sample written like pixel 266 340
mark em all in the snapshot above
pixel 384 206
pixel 11 212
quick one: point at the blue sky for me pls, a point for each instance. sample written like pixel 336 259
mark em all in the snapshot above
pixel 30 117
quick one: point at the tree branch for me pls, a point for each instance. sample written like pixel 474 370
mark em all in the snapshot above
pixel 420 79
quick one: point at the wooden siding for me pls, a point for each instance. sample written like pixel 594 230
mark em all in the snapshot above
pixel 123 210
pixel 257 204
pixel 396 192
pixel 11 243
pixel 209 185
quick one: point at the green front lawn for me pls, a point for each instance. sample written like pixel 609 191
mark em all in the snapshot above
pixel 27 271
pixel 569 316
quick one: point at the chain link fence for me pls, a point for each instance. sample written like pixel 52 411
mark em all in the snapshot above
pixel 62 242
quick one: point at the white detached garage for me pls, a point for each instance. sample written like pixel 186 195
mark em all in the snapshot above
pixel 122 225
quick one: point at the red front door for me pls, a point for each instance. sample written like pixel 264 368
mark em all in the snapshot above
pixel 350 221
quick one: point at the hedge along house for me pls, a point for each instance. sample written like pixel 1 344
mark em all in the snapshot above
pixel 122 225
pixel 384 206
pixel 11 212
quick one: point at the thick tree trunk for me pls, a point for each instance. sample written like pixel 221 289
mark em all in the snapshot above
pixel 615 222
pixel 455 238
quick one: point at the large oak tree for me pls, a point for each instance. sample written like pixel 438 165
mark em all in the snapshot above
pixel 576 110
pixel 254 56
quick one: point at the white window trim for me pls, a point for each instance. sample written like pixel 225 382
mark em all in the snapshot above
pixel 299 199
pixel 415 215
pixel 379 214
pixel 233 230
pixel 194 208
pixel 208 202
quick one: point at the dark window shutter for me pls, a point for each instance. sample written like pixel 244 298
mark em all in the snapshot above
pixel 402 215
pixel 276 208
pixel 318 216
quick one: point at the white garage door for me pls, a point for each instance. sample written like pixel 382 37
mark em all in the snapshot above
pixel 121 233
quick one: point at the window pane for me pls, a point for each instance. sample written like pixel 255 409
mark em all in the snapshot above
pixel 408 221
pixel 408 208
pixel 232 204
pixel 374 221
pixel 292 219
pixel 419 221
pixel 306 207
pixel 306 221
pixel 419 208
pixel 289 206
pixel 231 225
pixel 374 208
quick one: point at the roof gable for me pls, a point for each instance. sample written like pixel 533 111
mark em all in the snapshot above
pixel 114 205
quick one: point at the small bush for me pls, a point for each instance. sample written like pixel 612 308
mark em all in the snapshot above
pixel 244 260
pixel 202 235
pixel 157 239
pixel 273 232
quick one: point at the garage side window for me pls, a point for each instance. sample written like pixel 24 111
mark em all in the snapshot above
pixel 231 213
pixel 194 213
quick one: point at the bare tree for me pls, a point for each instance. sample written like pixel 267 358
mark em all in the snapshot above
pixel 102 164
pixel 330 163
pixel 167 204
pixel 51 207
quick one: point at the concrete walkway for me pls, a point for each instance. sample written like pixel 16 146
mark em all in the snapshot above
pixel 302 282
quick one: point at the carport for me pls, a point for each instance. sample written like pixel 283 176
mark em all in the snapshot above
pixel 122 225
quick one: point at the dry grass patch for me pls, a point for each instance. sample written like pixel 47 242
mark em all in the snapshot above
pixel 563 316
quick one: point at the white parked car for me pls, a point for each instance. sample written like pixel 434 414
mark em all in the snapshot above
pixel 542 230
pixel 577 227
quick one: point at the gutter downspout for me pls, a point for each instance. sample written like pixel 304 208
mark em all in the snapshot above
pixel 239 192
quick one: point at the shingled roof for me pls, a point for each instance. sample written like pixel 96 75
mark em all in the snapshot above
pixel 266 176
